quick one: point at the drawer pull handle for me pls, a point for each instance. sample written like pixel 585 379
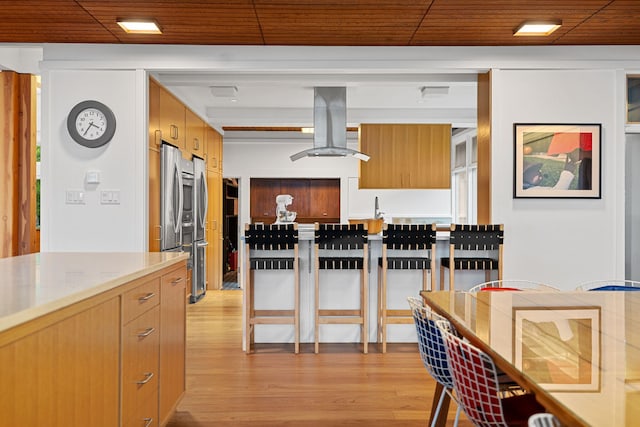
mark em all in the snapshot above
pixel 178 280
pixel 147 297
pixel 147 378
pixel 146 333
pixel 147 422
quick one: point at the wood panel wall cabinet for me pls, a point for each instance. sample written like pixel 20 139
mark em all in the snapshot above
pixel 214 233
pixel 173 120
pixel 195 140
pixel 314 200
pixel 155 141
pixel 406 156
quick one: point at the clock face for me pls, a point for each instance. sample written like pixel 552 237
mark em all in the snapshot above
pixel 91 124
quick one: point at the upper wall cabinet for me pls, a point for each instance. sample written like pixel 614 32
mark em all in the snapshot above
pixel 213 149
pixel 172 120
pixel 406 156
pixel 195 134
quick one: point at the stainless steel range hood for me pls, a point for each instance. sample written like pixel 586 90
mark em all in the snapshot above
pixel 330 125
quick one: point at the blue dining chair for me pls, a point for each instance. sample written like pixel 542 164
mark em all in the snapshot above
pixel 432 352
pixel 610 285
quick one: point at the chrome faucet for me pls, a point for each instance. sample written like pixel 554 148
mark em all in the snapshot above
pixel 377 213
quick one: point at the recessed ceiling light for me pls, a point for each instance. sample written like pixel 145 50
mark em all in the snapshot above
pixel 537 28
pixel 139 26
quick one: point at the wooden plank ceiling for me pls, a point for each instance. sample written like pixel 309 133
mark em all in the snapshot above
pixel 323 22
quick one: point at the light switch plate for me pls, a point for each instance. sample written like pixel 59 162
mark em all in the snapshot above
pixel 110 197
pixel 74 197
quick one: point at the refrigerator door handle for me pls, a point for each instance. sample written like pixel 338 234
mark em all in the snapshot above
pixel 177 189
pixel 206 196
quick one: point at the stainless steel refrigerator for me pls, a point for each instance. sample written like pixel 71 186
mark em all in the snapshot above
pixel 171 199
pixel 200 203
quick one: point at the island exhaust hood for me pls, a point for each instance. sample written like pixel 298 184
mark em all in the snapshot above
pixel 330 125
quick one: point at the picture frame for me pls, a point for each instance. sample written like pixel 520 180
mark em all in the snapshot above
pixel 557 160
pixel 559 347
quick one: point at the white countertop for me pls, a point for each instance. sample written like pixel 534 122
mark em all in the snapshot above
pixel 37 284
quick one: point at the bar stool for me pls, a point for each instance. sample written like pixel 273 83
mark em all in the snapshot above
pixel 271 247
pixel 341 247
pixel 404 247
pixel 468 250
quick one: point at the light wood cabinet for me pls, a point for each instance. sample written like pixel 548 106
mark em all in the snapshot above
pixel 195 141
pixel 155 141
pixel 172 342
pixel 214 232
pixel 406 156
pixel 173 120
pixel 115 359
pixel 213 154
pixel 65 374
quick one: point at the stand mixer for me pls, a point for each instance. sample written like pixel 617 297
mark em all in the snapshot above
pixel 283 216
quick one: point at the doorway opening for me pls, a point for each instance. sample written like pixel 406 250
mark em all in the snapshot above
pixel 230 233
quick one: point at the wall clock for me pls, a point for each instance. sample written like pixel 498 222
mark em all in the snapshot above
pixel 91 124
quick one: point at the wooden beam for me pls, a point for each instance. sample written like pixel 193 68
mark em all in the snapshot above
pixel 484 148
pixel 27 241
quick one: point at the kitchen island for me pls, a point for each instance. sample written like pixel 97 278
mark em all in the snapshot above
pixel 273 291
pixel 92 338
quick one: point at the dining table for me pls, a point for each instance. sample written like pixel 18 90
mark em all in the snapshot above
pixel 578 352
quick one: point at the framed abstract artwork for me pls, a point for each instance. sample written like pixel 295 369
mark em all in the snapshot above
pixel 557 160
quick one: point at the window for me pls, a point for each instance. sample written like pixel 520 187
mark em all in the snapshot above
pixel 464 172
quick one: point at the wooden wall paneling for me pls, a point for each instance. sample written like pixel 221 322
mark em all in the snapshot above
pixel 18 233
pixel 27 236
pixel 484 148
pixel 9 161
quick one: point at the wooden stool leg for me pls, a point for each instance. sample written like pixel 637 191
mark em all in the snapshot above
pixel 365 309
pixel 441 277
pixel 316 329
pixel 296 310
pixel 383 311
pixel 248 312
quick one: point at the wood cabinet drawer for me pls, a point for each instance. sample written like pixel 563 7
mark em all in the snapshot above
pixel 145 415
pixel 140 299
pixel 175 278
pixel 140 362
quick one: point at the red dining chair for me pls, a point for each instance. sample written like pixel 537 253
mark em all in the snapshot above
pixel 513 285
pixel 475 382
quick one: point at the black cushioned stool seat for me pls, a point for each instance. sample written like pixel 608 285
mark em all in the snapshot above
pixel 341 247
pixel 271 247
pixel 404 247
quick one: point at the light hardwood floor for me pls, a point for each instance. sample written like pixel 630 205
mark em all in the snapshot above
pixel 274 387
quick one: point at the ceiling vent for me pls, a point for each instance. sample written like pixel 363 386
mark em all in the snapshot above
pixel 224 91
pixel 330 125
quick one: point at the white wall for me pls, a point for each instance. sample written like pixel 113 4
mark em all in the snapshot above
pixel 560 241
pixel 266 160
pixel 93 227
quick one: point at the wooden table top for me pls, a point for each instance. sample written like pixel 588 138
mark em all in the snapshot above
pixel 579 352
